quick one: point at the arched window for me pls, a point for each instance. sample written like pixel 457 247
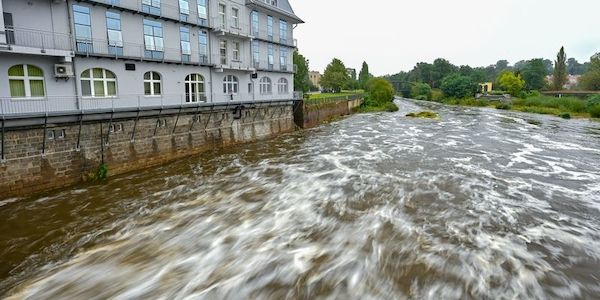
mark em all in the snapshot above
pixel 152 84
pixel 266 88
pixel 194 88
pixel 26 81
pixel 230 85
pixel 98 82
pixel 282 86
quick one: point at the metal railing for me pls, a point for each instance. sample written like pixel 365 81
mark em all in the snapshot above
pixel 38 39
pixel 265 66
pixel 76 104
pixel 100 47
pixel 228 63
pixel 231 26
pixel 263 34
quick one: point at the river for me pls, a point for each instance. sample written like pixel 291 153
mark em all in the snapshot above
pixel 482 204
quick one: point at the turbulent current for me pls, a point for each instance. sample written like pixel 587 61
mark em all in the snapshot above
pixel 482 204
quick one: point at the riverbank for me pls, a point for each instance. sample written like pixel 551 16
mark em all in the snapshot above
pixel 566 107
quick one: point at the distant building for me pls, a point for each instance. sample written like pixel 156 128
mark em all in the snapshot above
pixel 315 78
pixel 486 87
pixel 596 56
pixel 572 81
pixel 352 73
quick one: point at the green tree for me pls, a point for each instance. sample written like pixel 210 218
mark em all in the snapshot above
pixel 301 80
pixel 380 90
pixel 363 76
pixel 534 73
pixel 441 68
pixel 591 79
pixel 458 86
pixel 560 70
pixel 511 83
pixel 574 67
pixel 421 91
pixel 335 76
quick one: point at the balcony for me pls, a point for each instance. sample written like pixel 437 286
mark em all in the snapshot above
pixel 102 48
pixel 263 35
pixel 264 65
pixel 229 64
pixel 29 41
pixel 59 105
pixel 231 27
pixel 155 9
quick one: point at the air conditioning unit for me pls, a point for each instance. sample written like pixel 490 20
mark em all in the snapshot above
pixel 63 70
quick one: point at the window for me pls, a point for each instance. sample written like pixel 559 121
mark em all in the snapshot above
pixel 186 46
pixel 222 15
pixel 255 24
pixel 283 57
pixel 153 39
pixel 184 10
pixel 266 88
pixel 250 86
pixel 203 46
pixel 255 53
pixel 83 28
pixel 115 37
pixel 270 28
pixel 236 51
pixel 26 81
pixel 98 82
pixel 270 57
pixel 230 85
pixel 235 17
pixel 152 84
pixel 194 88
pixel 202 14
pixel 283 30
pixel 282 86
pixel 151 6
pixel 223 52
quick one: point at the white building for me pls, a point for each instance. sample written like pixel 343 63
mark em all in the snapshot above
pixel 73 56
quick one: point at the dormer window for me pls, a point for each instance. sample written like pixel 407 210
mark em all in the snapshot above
pixel 270 2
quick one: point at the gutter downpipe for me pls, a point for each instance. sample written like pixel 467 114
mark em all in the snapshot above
pixel 73 46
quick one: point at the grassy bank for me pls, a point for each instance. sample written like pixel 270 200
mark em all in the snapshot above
pixel 563 107
pixel 323 96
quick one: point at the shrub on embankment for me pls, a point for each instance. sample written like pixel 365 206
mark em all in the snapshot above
pixel 593 106
pixel 380 97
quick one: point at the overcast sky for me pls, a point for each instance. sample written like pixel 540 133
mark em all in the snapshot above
pixel 393 35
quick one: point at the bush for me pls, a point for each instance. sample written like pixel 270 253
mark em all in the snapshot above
pixel 380 90
pixel 525 95
pixel 437 95
pixel 390 107
pixel 594 111
pixel 593 100
pixel 503 106
pixel 421 91
pixel 565 115
pixel 458 86
pixel 512 82
pixel 565 104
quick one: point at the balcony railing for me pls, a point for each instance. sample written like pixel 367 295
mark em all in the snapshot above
pixel 99 47
pixel 264 65
pixel 231 26
pixel 263 34
pixel 163 10
pixel 38 39
pixel 228 63
pixel 75 104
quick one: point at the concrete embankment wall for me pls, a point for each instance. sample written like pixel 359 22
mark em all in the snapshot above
pixel 43 157
pixel 309 115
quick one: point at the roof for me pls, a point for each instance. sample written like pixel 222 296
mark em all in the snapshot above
pixel 283 7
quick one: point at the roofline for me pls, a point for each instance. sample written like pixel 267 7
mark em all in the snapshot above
pixel 275 9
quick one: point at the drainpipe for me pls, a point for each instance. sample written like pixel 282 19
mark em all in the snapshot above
pixel 74 45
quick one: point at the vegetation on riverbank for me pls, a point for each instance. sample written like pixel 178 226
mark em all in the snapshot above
pixel 379 97
pixel 424 115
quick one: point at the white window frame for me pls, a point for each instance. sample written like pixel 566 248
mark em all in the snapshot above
pixel 235 17
pixel 223 50
pixel 230 85
pixel 104 80
pixel 190 84
pixel 265 86
pixel 184 7
pixel 222 14
pixel 152 81
pixel 283 86
pixel 26 78
pixel 236 51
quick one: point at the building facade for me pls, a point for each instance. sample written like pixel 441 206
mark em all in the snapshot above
pixel 64 55
pixel 315 78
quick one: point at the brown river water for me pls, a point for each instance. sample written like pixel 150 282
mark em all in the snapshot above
pixel 483 204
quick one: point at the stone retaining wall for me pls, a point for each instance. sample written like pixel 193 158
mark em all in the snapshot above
pixel 26 170
pixel 309 115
